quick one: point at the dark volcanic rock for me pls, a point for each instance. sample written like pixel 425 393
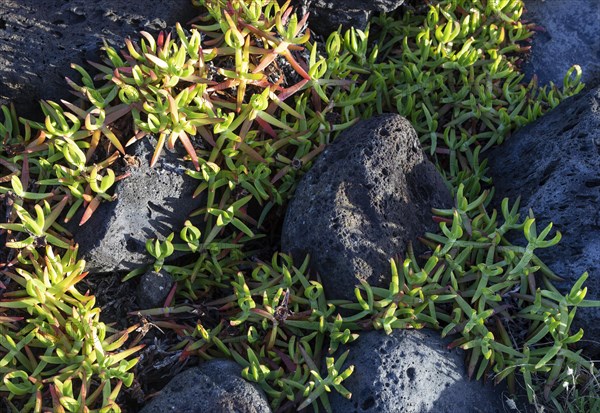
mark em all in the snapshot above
pixel 153 289
pixel 554 165
pixel 368 194
pixel 411 371
pixel 216 387
pixel 40 38
pixel 568 36
pixel 152 202
pixel 327 15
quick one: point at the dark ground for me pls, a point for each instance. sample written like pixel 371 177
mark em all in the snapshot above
pixel 39 39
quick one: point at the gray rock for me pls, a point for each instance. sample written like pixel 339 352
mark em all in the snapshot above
pixel 327 15
pixel 216 387
pixel 569 36
pixel 151 202
pixel 363 200
pixel 411 371
pixel 153 289
pixel 554 165
pixel 40 38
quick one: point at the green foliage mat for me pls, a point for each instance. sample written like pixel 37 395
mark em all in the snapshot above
pixel 253 101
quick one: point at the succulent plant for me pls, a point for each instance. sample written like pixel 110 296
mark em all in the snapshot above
pixel 57 349
pixel 252 101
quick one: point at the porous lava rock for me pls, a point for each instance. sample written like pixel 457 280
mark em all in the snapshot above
pixel 216 386
pixel 153 289
pixel 566 34
pixel 327 15
pixel 150 203
pixel 553 164
pixel 363 200
pixel 411 371
pixel 39 39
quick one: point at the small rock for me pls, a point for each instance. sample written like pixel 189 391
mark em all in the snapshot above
pixel 39 39
pixel 153 289
pixel 327 15
pixel 216 387
pixel 568 35
pixel 363 200
pixel 152 202
pixel 411 371
pixel 553 164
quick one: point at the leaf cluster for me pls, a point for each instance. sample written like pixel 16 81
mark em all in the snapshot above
pixel 58 354
pixel 250 101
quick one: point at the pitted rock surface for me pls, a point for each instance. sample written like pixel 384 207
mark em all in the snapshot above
pixel 153 289
pixel 567 34
pixel 150 203
pixel 327 15
pixel 39 39
pixel 412 371
pixel 553 164
pixel 216 387
pixel 363 200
